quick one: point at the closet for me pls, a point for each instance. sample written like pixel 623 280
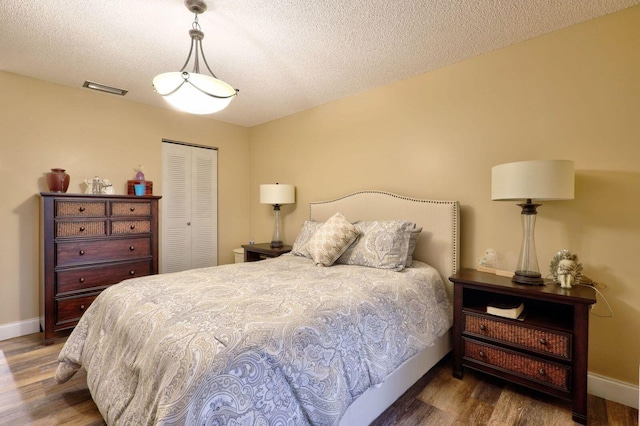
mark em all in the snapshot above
pixel 189 207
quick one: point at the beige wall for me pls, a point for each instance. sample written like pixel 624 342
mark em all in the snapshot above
pixel 572 94
pixel 46 125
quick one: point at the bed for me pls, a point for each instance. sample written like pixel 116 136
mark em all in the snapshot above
pixel 281 341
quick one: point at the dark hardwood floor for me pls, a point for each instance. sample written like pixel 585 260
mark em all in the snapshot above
pixel 30 396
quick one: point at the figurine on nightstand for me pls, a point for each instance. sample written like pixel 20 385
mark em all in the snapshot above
pixel 565 269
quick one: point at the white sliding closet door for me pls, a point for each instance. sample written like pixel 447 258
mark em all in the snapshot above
pixel 189 207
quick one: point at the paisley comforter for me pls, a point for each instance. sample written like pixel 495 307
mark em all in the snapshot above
pixel 280 341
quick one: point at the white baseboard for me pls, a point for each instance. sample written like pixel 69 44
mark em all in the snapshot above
pixel 20 328
pixel 613 390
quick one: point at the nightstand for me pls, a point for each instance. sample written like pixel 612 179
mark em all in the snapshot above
pixel 254 252
pixel 546 350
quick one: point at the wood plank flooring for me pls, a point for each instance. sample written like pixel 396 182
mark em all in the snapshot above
pixel 30 396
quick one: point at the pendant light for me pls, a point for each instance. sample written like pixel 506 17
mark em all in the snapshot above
pixel 194 92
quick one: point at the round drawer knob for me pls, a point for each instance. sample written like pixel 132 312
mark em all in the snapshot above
pixel 81 209
pixel 543 341
pixel 81 279
pixel 483 327
pixel 542 372
pixel 81 252
pixel 133 209
pixel 132 227
pixel 188 223
pixel 132 248
pixel 82 228
pixel 482 354
pixel 82 307
pixel 132 272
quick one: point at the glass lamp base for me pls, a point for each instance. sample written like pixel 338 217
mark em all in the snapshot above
pixel 528 278
pixel 277 244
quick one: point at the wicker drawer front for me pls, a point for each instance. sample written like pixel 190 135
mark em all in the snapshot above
pixel 85 278
pixel 531 368
pixel 131 209
pixel 543 341
pixel 80 229
pixel 119 227
pixel 70 310
pixel 80 209
pixel 84 252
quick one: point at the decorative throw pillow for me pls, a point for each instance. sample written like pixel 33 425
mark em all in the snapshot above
pixel 330 240
pixel 413 240
pixel 309 227
pixel 382 244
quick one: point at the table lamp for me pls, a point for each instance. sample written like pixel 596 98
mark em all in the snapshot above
pixel 276 195
pixel 531 180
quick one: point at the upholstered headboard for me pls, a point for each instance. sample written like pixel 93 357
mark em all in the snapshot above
pixel 438 242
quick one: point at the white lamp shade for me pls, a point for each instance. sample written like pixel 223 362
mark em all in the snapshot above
pixel 538 179
pixel 190 97
pixel 277 194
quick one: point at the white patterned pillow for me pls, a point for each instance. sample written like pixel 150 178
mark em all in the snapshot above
pixel 330 240
pixel 413 240
pixel 309 227
pixel 382 244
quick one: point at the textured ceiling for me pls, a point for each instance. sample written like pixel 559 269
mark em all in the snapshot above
pixel 285 56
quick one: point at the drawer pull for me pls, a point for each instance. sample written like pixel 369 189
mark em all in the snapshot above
pixel 132 227
pixel 82 307
pixel 542 372
pixel 81 279
pixel 483 327
pixel 543 341
pixel 81 252
pixel 81 209
pixel 132 272
pixel 82 228
pixel 132 248
pixel 482 354
pixel 133 209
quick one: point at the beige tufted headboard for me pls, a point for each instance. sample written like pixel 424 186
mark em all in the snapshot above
pixel 438 242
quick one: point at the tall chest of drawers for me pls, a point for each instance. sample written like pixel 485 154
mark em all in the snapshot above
pixel 90 242
pixel 547 349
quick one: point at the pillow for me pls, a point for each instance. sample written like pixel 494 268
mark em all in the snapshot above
pixel 413 240
pixel 309 227
pixel 382 244
pixel 330 240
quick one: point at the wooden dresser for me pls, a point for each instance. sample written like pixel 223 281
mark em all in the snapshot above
pixel 90 242
pixel 547 349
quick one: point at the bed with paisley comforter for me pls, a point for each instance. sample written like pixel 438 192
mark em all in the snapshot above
pixel 280 341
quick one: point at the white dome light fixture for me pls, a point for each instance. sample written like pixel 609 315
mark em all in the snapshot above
pixel 193 92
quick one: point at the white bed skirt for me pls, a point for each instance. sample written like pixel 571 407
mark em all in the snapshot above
pixel 376 400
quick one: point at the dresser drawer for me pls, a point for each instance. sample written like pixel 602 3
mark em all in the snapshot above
pixel 81 229
pixel 84 252
pixel 510 332
pixel 120 227
pixel 69 310
pixel 131 208
pixel 79 279
pixel 531 368
pixel 80 208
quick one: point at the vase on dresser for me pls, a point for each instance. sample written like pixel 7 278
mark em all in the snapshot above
pixel 58 180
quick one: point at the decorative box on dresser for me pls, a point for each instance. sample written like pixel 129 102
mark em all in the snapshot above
pixel 546 349
pixel 90 242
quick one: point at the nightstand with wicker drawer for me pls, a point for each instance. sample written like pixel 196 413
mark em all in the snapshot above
pixel 89 243
pixel 545 349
